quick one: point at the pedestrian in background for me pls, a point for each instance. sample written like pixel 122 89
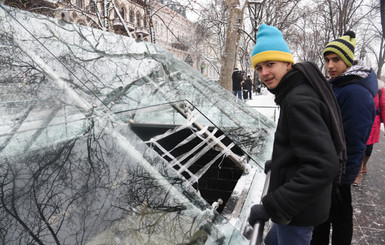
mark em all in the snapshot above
pixel 237 83
pixel 374 137
pixel 308 144
pixel 354 86
pixel 248 84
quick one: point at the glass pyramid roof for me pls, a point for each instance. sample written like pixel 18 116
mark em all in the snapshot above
pixel 73 171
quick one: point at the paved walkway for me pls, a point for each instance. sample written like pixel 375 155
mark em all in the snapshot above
pixel 369 201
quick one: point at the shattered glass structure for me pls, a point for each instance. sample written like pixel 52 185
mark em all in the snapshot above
pixel 105 140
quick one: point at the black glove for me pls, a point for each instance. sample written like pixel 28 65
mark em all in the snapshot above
pixel 267 166
pixel 258 213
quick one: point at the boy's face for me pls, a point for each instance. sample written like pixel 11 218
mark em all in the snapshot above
pixel 334 65
pixel 271 72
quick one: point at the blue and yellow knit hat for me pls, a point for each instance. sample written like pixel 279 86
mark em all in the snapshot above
pixel 270 46
pixel 343 47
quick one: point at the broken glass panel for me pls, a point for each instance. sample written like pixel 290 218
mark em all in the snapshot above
pixel 108 140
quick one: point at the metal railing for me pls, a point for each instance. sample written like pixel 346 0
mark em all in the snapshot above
pixel 257 235
pixel 275 108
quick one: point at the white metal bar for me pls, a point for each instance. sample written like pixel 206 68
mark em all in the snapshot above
pixel 257 235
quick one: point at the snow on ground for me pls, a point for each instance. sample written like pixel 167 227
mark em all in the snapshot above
pixel 264 103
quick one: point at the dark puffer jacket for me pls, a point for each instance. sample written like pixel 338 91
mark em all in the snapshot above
pixel 354 91
pixel 304 161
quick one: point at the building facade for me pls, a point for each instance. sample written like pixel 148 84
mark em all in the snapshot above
pixel 160 21
pixel 174 31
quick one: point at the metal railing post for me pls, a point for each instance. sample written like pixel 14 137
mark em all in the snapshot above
pixel 257 235
pixel 275 108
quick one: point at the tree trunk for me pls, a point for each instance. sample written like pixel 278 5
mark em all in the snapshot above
pixel 381 58
pixel 381 55
pixel 382 11
pixel 234 25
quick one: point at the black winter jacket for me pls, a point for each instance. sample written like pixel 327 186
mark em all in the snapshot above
pixel 304 161
pixel 237 80
pixel 248 84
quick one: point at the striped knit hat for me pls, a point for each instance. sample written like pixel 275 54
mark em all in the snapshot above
pixel 270 46
pixel 343 47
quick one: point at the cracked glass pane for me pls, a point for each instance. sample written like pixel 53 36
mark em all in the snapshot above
pixel 105 140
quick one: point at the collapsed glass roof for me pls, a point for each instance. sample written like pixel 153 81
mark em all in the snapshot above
pixel 73 170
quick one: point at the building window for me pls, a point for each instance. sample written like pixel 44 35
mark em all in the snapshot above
pixel 203 67
pixel 95 26
pixel 132 18
pixel 92 6
pixel 138 18
pixel 122 12
pixel 81 22
pixel 79 3
pixel 189 60
pixel 145 21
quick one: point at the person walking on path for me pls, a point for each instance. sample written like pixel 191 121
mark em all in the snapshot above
pixel 248 87
pixel 354 86
pixel 374 137
pixel 309 147
pixel 237 83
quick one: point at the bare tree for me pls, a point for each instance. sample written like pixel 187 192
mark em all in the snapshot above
pixel 381 36
pixel 308 36
pixel 210 32
pixel 98 14
pixel 233 32
pixel 324 21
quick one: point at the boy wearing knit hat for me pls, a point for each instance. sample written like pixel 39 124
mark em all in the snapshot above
pixel 354 87
pixel 309 146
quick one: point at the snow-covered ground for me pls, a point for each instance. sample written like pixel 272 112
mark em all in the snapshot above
pixel 264 103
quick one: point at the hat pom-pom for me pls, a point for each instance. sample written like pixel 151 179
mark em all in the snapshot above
pixel 351 34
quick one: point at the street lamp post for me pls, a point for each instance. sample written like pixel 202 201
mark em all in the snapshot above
pixel 148 7
pixel 252 6
pixel 362 54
